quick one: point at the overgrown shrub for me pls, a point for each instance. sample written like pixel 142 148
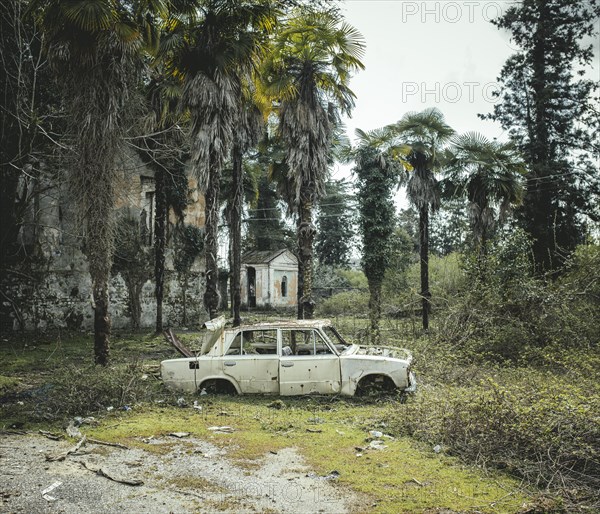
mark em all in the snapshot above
pixel 506 313
pixel 81 391
pixel 348 303
pixel 540 428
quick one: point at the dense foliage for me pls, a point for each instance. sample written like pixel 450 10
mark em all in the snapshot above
pixel 548 109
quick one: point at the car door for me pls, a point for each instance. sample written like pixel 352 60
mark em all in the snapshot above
pixel 252 361
pixel 307 363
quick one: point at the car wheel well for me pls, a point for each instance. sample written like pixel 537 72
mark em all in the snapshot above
pixel 375 384
pixel 218 386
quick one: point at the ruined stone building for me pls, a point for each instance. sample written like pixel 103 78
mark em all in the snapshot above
pixel 51 288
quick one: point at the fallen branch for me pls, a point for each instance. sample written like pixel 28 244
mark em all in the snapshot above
pixel 106 443
pixel 50 435
pixel 102 473
pixel 64 455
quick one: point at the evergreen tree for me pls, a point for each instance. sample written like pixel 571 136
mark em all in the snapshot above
pixel 335 225
pixel 266 228
pixel 546 107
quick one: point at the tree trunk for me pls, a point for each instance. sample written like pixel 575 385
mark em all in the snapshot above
pixel 101 322
pixel 211 199
pixel 236 236
pixel 160 237
pixel 375 311
pixel 306 235
pixel 424 254
pixel 300 289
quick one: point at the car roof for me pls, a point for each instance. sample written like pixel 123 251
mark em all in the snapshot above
pixel 291 323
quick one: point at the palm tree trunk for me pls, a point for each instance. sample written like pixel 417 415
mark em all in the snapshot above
pixel 424 255
pixel 300 289
pixel 236 236
pixel 101 322
pixel 306 235
pixel 159 245
pixel 211 211
pixel 98 250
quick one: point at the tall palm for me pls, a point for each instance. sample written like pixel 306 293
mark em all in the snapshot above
pixel 215 54
pixel 307 74
pixel 425 133
pixel 95 49
pixel 489 174
pixel 378 166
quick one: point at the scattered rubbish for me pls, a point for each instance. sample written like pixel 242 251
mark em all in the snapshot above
pixel 314 430
pixel 277 404
pixel 221 430
pixel 110 409
pixel 203 392
pixel 437 448
pixel 50 435
pixel 49 489
pixel 196 405
pixel 106 443
pixel 375 433
pixel 148 440
pixel 332 475
pixel 65 454
pixel 105 474
pixel 20 403
pixel 377 445
pixel 73 431
pixel 179 435
pixel 144 377
pixel 181 402
pixel 78 421
pixel 359 454
pixel 126 408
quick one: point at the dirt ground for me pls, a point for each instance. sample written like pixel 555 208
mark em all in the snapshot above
pixel 175 475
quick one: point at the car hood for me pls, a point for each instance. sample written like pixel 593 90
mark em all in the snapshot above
pixel 379 351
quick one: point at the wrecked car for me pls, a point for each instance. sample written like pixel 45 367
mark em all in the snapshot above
pixel 286 358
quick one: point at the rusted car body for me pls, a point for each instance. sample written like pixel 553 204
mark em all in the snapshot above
pixel 287 358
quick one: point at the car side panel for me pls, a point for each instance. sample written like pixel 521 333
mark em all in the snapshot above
pixel 253 373
pixel 309 374
pixel 355 367
pixel 188 374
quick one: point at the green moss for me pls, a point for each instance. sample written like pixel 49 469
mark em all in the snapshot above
pixel 8 384
pixel 401 478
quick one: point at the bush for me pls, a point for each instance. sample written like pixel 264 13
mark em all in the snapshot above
pixel 82 391
pixel 348 303
pixel 540 428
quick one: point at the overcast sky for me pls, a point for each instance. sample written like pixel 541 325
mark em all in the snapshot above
pixel 428 53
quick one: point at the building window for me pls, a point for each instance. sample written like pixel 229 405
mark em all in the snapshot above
pixel 284 286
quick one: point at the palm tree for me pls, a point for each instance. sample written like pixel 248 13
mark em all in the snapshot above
pixel 216 54
pixel 378 166
pixel 489 174
pixel 424 132
pixel 95 49
pixel 307 74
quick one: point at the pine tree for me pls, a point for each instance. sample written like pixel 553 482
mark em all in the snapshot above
pixel 545 105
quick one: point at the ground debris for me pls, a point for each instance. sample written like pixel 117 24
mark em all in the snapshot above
pixel 106 443
pixel 105 474
pixel 221 430
pixel 63 455
pixel 179 435
pixel 49 489
pixel 51 435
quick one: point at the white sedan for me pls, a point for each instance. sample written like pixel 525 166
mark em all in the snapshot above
pixel 287 358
